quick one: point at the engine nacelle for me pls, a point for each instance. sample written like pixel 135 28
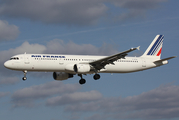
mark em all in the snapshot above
pixel 62 76
pixel 82 68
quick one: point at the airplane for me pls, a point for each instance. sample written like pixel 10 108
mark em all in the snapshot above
pixel 66 66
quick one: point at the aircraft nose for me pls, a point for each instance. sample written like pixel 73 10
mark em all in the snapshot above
pixel 7 64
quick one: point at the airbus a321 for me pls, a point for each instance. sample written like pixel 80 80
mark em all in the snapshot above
pixel 66 66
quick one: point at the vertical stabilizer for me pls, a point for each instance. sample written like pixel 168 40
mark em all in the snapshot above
pixel 155 48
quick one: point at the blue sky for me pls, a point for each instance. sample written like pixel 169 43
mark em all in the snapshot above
pixel 102 27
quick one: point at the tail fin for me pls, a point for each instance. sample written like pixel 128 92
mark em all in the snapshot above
pixel 155 48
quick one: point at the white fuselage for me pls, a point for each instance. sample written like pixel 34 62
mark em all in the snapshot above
pixel 60 63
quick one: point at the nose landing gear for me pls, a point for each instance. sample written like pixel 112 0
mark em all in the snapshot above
pixel 25 72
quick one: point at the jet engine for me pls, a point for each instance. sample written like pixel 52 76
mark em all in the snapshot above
pixel 82 68
pixel 62 76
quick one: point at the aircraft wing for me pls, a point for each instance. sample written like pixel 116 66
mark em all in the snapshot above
pixel 101 63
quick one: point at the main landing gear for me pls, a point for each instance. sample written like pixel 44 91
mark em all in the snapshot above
pixel 96 76
pixel 25 72
pixel 83 81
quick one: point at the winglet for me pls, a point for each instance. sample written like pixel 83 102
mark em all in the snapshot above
pixel 138 48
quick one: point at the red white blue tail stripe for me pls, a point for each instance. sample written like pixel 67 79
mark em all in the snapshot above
pixel 157 46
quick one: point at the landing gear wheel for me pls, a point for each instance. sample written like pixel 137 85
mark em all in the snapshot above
pixel 82 81
pixel 96 76
pixel 24 78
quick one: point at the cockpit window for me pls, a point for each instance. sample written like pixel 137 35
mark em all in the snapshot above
pixel 14 58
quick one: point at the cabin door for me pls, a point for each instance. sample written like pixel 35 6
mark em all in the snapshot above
pixel 143 62
pixel 26 59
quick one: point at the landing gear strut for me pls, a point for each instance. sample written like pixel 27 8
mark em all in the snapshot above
pixel 25 72
pixel 81 81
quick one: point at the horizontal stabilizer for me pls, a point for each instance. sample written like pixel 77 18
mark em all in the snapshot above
pixel 158 61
